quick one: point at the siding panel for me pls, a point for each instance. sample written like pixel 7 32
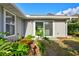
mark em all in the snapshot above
pixel 60 29
pixel 1 19
pixel 29 28
pixel 20 26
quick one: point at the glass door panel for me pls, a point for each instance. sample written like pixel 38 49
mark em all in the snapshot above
pixel 48 29
pixel 39 28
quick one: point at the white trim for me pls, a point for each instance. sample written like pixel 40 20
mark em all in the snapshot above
pixel 43 27
pixel 15 26
pixel 4 20
pixel 53 28
pixel 66 31
pixel 8 11
pixel 35 27
pixel 58 17
pixel 5 10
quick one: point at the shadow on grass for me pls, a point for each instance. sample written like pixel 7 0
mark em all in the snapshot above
pixel 53 49
pixel 73 44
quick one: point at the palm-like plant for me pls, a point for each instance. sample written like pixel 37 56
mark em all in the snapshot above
pixel 19 49
pixel 5 47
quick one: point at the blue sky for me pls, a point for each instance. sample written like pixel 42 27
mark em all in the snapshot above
pixel 44 8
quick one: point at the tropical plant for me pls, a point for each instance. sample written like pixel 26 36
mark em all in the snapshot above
pixel 5 47
pixel 29 37
pixel 73 26
pixel 47 39
pixel 19 37
pixel 24 41
pixel 39 32
pixel 13 48
pixel 41 46
pixel 19 49
pixel 3 33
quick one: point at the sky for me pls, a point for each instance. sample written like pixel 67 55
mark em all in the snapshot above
pixel 45 8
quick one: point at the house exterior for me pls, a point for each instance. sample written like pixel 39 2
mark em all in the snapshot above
pixel 12 20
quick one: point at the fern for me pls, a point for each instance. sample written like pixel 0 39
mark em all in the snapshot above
pixel 12 48
pixel 20 49
pixel 5 47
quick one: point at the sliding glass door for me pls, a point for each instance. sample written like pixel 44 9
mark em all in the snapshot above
pixel 39 29
pixel 43 28
pixel 48 29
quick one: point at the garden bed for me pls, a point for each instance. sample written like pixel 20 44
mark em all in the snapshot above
pixel 45 47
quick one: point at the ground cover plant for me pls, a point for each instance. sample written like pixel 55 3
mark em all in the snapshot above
pixel 44 47
pixel 21 47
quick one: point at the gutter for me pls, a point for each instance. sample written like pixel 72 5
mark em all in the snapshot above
pixel 51 17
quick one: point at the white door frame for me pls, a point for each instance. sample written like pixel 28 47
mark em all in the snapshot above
pixel 34 25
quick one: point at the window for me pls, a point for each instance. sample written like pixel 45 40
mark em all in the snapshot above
pixel 39 28
pixel 48 29
pixel 44 28
pixel 9 24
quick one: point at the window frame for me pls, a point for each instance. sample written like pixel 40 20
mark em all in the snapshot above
pixel 6 11
pixel 43 28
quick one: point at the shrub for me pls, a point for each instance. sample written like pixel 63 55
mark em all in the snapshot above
pixel 24 41
pixel 41 46
pixel 13 48
pixel 5 47
pixel 47 39
pixel 39 33
pixel 19 49
pixel 76 34
pixel 29 37
pixel 19 36
pixel 73 26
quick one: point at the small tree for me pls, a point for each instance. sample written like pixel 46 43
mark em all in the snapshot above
pixel 73 26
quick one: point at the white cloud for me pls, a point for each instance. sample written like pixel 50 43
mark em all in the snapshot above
pixel 69 11
pixel 59 13
pixel 77 10
pixel 73 11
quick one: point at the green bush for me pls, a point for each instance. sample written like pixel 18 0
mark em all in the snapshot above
pixel 19 49
pixel 41 46
pixel 47 39
pixel 13 48
pixel 73 26
pixel 29 37
pixel 5 47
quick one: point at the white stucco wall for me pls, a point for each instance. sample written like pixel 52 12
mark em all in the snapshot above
pixel 19 26
pixel 60 29
pixel 25 27
pixel 29 28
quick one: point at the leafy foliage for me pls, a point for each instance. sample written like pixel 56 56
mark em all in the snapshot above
pixel 39 32
pixel 73 26
pixel 12 48
pixel 41 46
pixel 19 49
pixel 5 47
pixel 29 37
pixel 19 36
pixel 39 29
pixel 47 39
